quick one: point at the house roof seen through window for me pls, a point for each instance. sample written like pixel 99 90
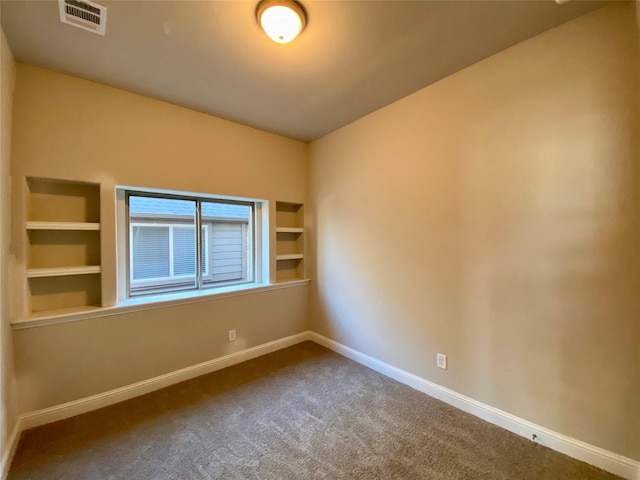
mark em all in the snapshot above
pixel 166 206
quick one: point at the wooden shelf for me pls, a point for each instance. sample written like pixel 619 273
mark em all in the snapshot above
pixel 291 256
pixel 62 226
pixel 62 272
pixel 289 230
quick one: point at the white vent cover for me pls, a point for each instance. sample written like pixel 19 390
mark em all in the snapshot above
pixel 83 14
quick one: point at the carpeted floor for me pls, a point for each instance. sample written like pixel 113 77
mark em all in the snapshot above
pixel 300 413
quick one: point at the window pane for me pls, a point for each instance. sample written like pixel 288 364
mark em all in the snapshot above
pixel 229 246
pixel 150 252
pixel 163 248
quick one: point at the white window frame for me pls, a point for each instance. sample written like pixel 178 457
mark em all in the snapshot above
pixel 171 279
pixel 259 246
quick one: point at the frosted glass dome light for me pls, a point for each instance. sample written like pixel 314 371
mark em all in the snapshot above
pixel 282 20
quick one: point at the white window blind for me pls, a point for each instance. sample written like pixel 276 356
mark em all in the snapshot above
pixel 184 251
pixel 150 252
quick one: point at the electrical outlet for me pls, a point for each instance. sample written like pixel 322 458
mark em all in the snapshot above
pixel 441 361
pixel 232 335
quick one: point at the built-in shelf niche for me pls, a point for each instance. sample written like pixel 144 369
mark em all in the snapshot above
pixel 63 255
pixel 289 241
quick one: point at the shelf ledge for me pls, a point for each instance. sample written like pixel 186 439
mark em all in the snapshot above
pixel 289 230
pixel 291 256
pixel 74 314
pixel 62 226
pixel 61 272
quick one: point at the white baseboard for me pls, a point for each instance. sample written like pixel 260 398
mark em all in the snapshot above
pixel 94 402
pixel 598 457
pixel 12 443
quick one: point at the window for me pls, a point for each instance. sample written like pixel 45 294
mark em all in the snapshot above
pixel 165 255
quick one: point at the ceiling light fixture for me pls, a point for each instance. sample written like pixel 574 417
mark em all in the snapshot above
pixel 281 20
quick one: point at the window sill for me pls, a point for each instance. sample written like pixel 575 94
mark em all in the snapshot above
pixel 53 317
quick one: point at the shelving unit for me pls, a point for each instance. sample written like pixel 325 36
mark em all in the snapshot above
pixel 289 241
pixel 63 251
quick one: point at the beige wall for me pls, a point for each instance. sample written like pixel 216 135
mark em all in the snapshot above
pixel 69 128
pixel 58 363
pixel 493 217
pixel 7 80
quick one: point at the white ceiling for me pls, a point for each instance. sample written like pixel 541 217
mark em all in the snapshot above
pixel 353 58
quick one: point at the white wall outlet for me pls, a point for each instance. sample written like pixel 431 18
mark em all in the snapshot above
pixel 441 361
pixel 232 335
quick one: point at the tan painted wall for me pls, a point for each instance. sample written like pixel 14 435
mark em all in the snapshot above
pixel 58 363
pixel 493 217
pixel 7 80
pixel 69 128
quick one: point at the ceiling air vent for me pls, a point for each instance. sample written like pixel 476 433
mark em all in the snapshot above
pixel 83 14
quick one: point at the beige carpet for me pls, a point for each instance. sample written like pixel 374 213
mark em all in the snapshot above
pixel 300 413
